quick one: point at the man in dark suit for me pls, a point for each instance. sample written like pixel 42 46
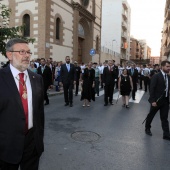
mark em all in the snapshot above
pixel 77 76
pixel 46 73
pixel 21 110
pixel 159 99
pixel 134 74
pixel 68 80
pixel 109 76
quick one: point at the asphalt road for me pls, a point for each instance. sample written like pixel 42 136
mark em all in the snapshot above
pixel 102 138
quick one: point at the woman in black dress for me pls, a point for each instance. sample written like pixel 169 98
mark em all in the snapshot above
pixel 88 80
pixel 125 87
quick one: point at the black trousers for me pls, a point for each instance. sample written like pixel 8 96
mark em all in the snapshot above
pixel 77 87
pixel 101 83
pixel 108 89
pixel 146 82
pixel 45 95
pixel 97 85
pixel 134 90
pixel 68 92
pixel 164 109
pixel 30 158
pixel 141 80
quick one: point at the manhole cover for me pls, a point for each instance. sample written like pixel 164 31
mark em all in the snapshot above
pixel 85 136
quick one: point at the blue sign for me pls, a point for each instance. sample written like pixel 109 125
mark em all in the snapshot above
pixel 92 52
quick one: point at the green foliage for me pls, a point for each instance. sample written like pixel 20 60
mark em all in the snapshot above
pixel 6 32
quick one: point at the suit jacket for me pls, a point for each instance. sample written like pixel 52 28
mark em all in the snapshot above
pixel 157 87
pixel 134 75
pixel 109 76
pixel 67 77
pixel 47 76
pixel 12 117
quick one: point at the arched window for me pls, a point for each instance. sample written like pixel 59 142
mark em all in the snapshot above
pixel 97 44
pixel 58 28
pixel 81 30
pixel 26 23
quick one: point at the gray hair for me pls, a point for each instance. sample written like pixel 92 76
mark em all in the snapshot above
pixel 12 42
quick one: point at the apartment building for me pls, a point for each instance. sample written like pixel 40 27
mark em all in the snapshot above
pixel 136 52
pixel 60 27
pixel 165 42
pixel 116 21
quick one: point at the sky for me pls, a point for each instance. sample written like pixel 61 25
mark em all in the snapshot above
pixel 147 18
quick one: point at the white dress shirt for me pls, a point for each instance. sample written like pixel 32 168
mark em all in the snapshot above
pixel 15 74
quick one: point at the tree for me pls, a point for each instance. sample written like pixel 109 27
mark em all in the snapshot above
pixel 6 32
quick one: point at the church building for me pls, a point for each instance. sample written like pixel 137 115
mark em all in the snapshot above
pixel 60 27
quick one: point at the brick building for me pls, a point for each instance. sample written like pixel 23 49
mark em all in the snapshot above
pixel 60 27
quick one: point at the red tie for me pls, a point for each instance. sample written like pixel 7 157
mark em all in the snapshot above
pixel 23 95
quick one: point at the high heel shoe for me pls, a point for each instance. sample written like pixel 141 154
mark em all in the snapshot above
pixel 127 106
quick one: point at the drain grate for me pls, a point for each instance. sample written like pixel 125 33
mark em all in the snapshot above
pixel 85 136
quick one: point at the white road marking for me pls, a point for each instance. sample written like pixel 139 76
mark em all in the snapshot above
pixel 138 96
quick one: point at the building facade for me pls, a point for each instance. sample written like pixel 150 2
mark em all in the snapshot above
pixel 136 52
pixel 116 21
pixel 155 60
pixel 165 42
pixel 60 27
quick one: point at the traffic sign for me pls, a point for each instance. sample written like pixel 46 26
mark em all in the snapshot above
pixel 92 52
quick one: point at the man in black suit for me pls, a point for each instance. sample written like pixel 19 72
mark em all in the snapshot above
pixel 159 99
pixel 77 76
pixel 21 110
pixel 109 76
pixel 133 72
pixel 116 70
pixel 46 73
pixel 68 80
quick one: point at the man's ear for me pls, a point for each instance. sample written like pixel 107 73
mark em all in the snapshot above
pixel 9 55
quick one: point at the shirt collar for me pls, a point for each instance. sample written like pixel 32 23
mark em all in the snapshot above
pixel 15 71
pixel 163 73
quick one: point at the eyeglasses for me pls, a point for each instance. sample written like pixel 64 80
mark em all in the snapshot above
pixel 23 52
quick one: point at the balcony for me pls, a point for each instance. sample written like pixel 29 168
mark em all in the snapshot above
pixel 167 16
pixel 124 35
pixel 124 25
pixel 124 14
pixel 124 3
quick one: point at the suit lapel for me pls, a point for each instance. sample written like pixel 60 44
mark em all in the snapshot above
pixel 10 82
pixel 33 87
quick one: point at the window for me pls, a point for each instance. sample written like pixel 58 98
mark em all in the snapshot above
pixel 97 44
pixel 26 23
pixel 81 30
pixel 85 2
pixel 58 23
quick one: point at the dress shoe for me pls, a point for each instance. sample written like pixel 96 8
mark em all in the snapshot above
pixel 166 137
pixel 111 103
pixel 71 105
pixel 66 104
pixel 148 132
pixel 46 103
pixel 105 104
pixel 133 98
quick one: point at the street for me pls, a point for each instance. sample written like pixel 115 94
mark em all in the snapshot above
pixel 102 138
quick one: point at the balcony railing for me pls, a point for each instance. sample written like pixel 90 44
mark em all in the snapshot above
pixel 124 25
pixel 124 35
pixel 109 51
pixel 124 14
pixel 125 5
